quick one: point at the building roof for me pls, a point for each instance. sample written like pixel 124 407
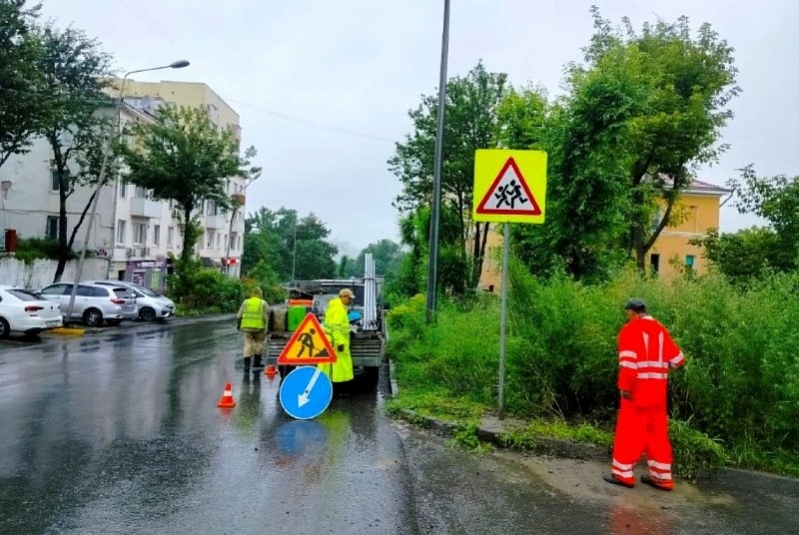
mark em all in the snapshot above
pixel 700 186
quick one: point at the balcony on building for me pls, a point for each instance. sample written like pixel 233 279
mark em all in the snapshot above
pixel 215 221
pixel 143 207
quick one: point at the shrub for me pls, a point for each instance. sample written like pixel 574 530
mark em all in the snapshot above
pixel 737 395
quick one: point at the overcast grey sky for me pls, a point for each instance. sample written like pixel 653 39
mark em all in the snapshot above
pixel 294 68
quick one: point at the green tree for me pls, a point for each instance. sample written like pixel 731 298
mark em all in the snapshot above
pixel 775 199
pixel 183 157
pixel 21 83
pixel 75 70
pixel 641 112
pixel 387 256
pixel 747 254
pixel 472 123
pixel 290 246
pixel 655 103
pixel 412 270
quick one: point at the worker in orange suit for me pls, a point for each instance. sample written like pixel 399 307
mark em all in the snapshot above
pixel 646 355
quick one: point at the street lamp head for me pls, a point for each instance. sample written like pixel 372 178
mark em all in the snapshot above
pixel 179 64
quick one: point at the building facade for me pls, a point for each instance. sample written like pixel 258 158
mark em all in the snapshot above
pixel 222 240
pixel 135 234
pixel 672 253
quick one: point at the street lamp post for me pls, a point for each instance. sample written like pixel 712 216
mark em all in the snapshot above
pixel 101 179
pixel 432 270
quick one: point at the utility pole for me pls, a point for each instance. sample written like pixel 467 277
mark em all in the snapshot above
pixel 432 271
pixel 294 255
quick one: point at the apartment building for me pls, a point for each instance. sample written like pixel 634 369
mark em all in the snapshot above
pixel 134 233
pixel 32 202
pixel 222 231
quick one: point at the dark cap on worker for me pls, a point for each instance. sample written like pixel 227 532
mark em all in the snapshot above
pixel 636 305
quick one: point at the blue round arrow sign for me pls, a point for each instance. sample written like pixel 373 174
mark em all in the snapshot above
pixel 306 392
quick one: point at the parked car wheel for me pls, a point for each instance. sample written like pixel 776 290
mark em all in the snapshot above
pixel 5 329
pixel 93 317
pixel 114 323
pixel 147 314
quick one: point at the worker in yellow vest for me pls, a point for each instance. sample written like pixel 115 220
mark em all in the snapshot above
pixel 253 317
pixel 337 328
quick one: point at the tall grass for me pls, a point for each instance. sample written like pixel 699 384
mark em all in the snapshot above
pixel 736 400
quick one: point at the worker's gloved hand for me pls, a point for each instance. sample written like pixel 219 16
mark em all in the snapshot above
pixel 340 348
pixel 238 324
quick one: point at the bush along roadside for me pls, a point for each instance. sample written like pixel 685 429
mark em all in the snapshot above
pixel 734 404
pixel 201 291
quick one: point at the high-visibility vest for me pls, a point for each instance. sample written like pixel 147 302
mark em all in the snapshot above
pixel 253 317
pixel 646 354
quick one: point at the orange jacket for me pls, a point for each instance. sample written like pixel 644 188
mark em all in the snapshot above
pixel 646 354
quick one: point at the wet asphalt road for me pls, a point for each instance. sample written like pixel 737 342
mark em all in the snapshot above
pixel 119 433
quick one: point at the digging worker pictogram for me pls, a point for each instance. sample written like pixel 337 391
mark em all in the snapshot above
pixel 646 355
pixel 306 340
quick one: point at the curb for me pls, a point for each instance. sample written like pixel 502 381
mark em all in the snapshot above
pixel 68 331
pixel 539 445
pixel 567 449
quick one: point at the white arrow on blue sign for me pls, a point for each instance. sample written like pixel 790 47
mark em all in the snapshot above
pixel 306 392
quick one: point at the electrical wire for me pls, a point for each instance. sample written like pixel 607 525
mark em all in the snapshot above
pixel 284 116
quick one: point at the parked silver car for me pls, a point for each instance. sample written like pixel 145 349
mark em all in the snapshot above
pixel 150 305
pixel 94 304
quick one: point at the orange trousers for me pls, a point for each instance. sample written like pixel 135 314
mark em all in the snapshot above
pixel 642 430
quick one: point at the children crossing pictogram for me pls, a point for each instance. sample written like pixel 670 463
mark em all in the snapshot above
pixel 510 186
pixel 509 194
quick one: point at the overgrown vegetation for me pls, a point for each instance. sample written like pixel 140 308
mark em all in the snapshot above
pixel 736 402
pixel 30 249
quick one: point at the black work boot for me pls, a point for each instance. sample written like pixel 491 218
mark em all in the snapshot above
pixel 257 365
pixel 247 364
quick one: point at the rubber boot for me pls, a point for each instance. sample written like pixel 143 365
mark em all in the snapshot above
pixel 247 364
pixel 257 365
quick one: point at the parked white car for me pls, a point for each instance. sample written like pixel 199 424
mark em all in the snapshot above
pixel 150 305
pixel 94 304
pixel 24 312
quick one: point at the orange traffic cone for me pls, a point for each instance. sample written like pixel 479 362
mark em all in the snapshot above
pixel 270 371
pixel 227 401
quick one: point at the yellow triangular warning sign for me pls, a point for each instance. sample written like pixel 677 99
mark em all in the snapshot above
pixel 509 194
pixel 308 345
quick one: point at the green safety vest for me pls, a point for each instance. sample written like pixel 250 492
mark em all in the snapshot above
pixel 253 317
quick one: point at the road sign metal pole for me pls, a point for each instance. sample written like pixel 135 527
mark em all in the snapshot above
pixel 502 320
pixel 432 269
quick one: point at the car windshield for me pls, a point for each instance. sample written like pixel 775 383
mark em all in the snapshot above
pixel 24 295
pixel 146 291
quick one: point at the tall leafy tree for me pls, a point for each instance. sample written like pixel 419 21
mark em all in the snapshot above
pixel 75 70
pixel 387 256
pixel 289 245
pixel 472 123
pixel 652 106
pixel 21 83
pixel 775 199
pixel 747 254
pixel 183 157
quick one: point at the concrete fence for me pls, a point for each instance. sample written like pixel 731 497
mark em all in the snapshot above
pixel 41 272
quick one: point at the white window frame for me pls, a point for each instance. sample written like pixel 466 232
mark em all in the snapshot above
pixel 121 232
pixel 157 235
pixel 140 234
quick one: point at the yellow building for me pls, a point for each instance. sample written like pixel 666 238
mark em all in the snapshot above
pixel 700 208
